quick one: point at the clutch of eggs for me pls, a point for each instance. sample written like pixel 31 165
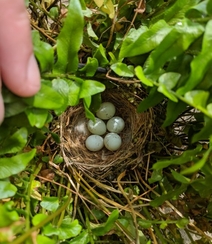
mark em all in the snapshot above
pixel 112 141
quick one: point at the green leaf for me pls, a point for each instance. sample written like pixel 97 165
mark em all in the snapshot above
pixel 122 69
pixel 100 55
pixel 157 175
pixel 108 225
pixel 44 239
pixel 174 44
pixel 50 203
pixel 143 40
pixel 198 10
pixel 175 11
pixel 69 89
pixel 199 164
pixel 169 79
pixel 82 238
pixel 91 67
pixel 38 218
pixel 46 98
pixel 173 194
pixel 54 12
pixel 203 186
pixel 168 93
pixel 6 190
pixel 197 99
pixel 201 63
pixel 91 87
pixel 15 142
pixel 69 228
pixel 185 157
pixel 43 51
pixel 140 74
pixel 15 164
pixel 181 223
pixel 209 7
pixel 37 117
pixel 178 108
pixel 145 223
pixel 88 113
pixel 7 216
pixel 180 177
pixel 91 32
pixel 153 99
pixel 15 108
pixel 205 132
pixel 70 39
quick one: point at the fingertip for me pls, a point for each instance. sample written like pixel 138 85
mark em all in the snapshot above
pixel 32 77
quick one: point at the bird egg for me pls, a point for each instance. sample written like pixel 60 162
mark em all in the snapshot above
pixel 106 111
pixel 112 141
pixel 97 126
pixel 94 143
pixel 115 124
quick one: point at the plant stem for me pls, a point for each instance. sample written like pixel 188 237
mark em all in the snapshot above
pixel 22 238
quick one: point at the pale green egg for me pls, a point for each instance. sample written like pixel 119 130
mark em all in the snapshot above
pixel 115 124
pixel 106 111
pixel 94 143
pixel 112 141
pixel 97 127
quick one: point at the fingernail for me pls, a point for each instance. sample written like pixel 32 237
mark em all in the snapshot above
pixel 33 76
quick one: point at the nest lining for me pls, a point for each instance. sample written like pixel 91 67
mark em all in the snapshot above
pixel 104 162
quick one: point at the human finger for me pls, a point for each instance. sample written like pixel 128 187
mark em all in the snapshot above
pixel 19 70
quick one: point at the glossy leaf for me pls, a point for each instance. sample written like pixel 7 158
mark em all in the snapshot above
pixel 67 229
pixel 50 203
pixel 15 108
pixel 6 190
pixel 82 238
pixel 199 164
pixel 198 10
pixel 91 87
pixel 37 117
pixel 43 51
pixel 168 93
pixel 122 69
pixel 176 11
pixel 46 98
pixel 38 218
pixel 174 44
pixel 8 215
pixel 201 63
pixel 197 99
pixel 87 104
pixel 179 177
pixel 91 32
pixel 15 142
pixel 185 157
pixel 16 164
pixel 140 74
pixel 70 39
pixel 44 239
pixel 91 67
pixel 144 40
pixel 100 55
pixel 108 225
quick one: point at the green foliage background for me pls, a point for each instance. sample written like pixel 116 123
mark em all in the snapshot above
pixel 167 46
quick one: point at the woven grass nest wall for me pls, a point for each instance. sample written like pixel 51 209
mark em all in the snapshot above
pixel 104 163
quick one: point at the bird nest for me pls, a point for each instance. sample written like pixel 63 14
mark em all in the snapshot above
pixel 104 163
